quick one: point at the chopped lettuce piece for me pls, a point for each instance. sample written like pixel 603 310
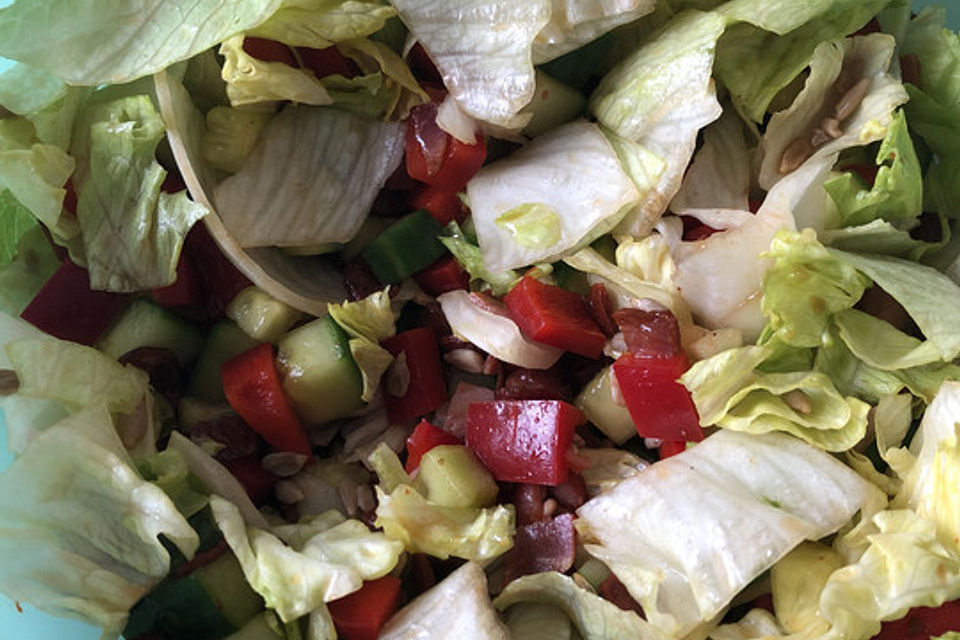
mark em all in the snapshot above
pixel 319 560
pixel 31 264
pixel 399 90
pixel 771 489
pixel 321 23
pixel 594 617
pixel 482 49
pixel 574 23
pixel 168 470
pixel 422 526
pixel 75 375
pixel 34 173
pixel 520 215
pixel 231 135
pixel 897 192
pixel 251 81
pixel 847 66
pixel 80 526
pixel 660 97
pixel 720 173
pixel 367 322
pixel 132 231
pixel 756 64
pixel 457 607
pixel 115 43
pixel 312 181
pixel 17 223
pixel 471 259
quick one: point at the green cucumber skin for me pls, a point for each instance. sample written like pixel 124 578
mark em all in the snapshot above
pixel 225 341
pixel 318 373
pixel 405 248
pixel 145 324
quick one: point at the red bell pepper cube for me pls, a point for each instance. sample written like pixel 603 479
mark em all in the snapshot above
pixel 523 440
pixel 922 623
pixel 659 405
pixel 442 204
pixel 435 157
pixel 67 308
pixel 670 448
pixel 362 614
pixel 425 437
pixel 252 387
pixel 327 62
pixel 652 334
pixel 442 276
pixel 427 388
pixel 555 316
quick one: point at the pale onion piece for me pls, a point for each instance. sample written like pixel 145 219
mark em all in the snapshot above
pixel 452 119
pixel 495 332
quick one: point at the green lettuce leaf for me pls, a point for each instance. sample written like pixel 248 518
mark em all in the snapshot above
pixel 928 296
pixel 114 43
pixel 720 173
pixel 252 81
pixel 17 223
pixel 771 489
pixel 879 236
pixel 935 104
pixel 321 23
pixel 574 23
pixel 342 158
pixel 660 97
pixel 32 261
pixel 168 470
pixel 522 218
pixel 25 90
pixel 595 617
pixel 756 64
pixel 297 568
pixel 470 258
pixel 483 51
pixel 230 136
pixel 457 607
pixel 80 526
pixel 132 231
pixel 424 527
pixel 836 66
pixel 805 287
pixel 880 345
pixel 897 191
pixel 398 90
pixel 35 173
pixel 75 375
pixel 368 322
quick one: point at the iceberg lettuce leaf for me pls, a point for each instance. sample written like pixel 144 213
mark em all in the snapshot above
pixel 522 218
pixel 321 23
pixel 80 526
pixel 483 51
pixel 132 231
pixel 328 560
pixel 367 322
pixel 115 43
pixel 252 81
pixel 574 23
pixel 771 489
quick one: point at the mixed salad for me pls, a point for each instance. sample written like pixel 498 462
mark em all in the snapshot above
pixel 482 318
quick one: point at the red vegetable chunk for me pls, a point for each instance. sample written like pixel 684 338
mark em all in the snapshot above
pixel 67 308
pixel 435 157
pixel 425 437
pixel 555 316
pixel 922 623
pixel 659 405
pixel 427 388
pixel 653 334
pixel 257 481
pixel 442 276
pixel 361 615
pixel 523 440
pixel 444 205
pixel 548 545
pixel 252 387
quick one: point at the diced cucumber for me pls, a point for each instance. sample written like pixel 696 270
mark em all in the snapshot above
pixel 261 316
pixel 406 247
pixel 145 324
pixel 596 402
pixel 225 341
pixel 553 104
pixel 372 227
pixel 319 374
pixel 453 476
pixel 210 603
pixel 193 410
